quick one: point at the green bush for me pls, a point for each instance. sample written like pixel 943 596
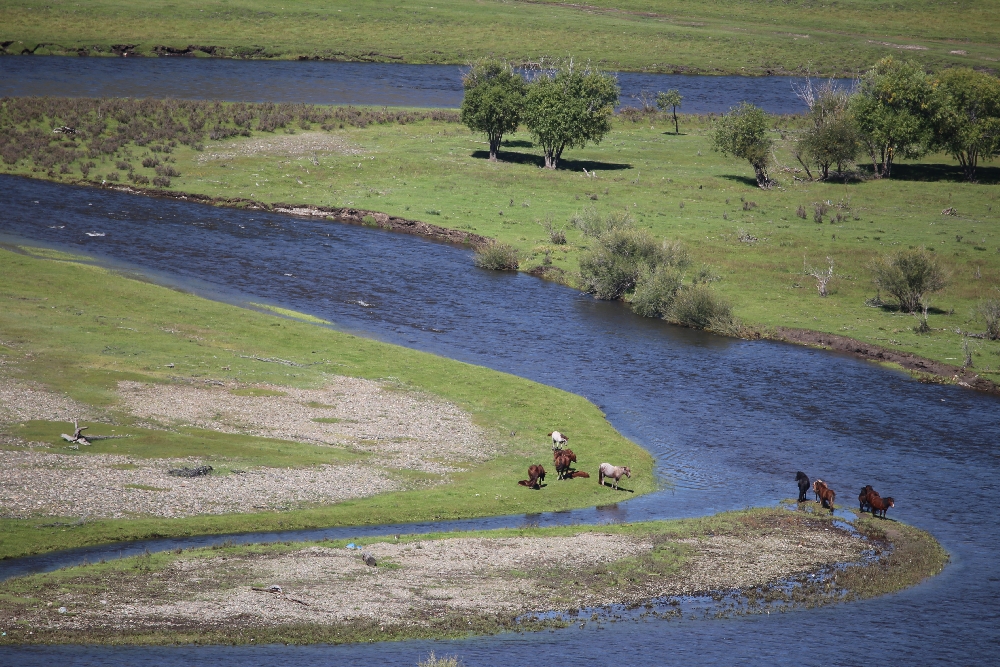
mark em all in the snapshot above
pixel 908 275
pixel 497 257
pixel 592 223
pixel 699 307
pixel 621 255
pixel 656 291
pixel 990 311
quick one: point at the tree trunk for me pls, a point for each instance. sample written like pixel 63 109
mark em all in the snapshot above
pixel 763 181
pixel 550 160
pixel 676 129
pixel 495 147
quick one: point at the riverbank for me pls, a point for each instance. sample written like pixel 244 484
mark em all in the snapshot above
pixel 304 426
pixel 459 584
pixel 704 37
pixel 431 177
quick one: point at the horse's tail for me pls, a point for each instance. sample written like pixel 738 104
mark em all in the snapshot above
pixel 600 476
pixel 524 482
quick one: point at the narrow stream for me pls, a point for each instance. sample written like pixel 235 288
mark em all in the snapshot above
pixel 728 421
pixel 340 83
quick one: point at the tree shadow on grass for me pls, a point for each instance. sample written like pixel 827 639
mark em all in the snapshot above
pixel 517 143
pixel 564 164
pixel 949 173
pixel 745 180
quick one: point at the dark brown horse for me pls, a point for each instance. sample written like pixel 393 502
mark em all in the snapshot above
pixel 536 474
pixel 865 505
pixel 880 505
pixel 564 460
pixel 803 481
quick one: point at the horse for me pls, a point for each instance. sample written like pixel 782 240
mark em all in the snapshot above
pixel 803 481
pixel 824 494
pixel 880 505
pixel 558 439
pixel 536 474
pixel 865 504
pixel 564 459
pixel 614 472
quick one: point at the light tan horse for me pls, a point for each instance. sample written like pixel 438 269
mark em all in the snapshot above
pixel 613 472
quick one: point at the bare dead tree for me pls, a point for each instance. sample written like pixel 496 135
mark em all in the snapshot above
pixel 823 277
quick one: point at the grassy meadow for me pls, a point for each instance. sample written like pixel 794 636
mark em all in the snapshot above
pixel 755 242
pixel 693 36
pixel 79 330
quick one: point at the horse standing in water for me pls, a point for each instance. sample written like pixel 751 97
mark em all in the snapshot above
pixel 803 482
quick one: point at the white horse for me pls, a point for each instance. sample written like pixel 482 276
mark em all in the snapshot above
pixel 613 472
pixel 558 439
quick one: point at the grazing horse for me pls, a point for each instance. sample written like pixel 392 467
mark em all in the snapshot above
pixel 536 474
pixel 824 494
pixel 803 482
pixel 880 505
pixel 865 504
pixel 558 439
pixel 564 459
pixel 613 472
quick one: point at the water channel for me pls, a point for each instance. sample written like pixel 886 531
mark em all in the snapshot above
pixel 340 83
pixel 728 421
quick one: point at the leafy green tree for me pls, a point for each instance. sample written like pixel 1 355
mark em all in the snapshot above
pixel 908 275
pixel 568 108
pixel 833 137
pixel 892 109
pixel 742 133
pixel 967 116
pixel 494 100
pixel 670 100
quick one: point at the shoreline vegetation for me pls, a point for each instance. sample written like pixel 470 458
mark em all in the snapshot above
pixel 472 583
pixel 304 427
pixel 395 169
pixel 673 36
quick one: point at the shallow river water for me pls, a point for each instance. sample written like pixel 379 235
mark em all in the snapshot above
pixel 340 83
pixel 728 421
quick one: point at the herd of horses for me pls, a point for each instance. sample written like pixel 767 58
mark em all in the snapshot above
pixel 869 499
pixel 563 459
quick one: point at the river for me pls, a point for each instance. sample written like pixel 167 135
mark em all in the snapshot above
pixel 341 83
pixel 728 422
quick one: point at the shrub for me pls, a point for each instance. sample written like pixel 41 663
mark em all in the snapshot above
pixel 150 162
pixel 908 275
pixel 655 291
pixel 742 133
pixel 138 179
pixel 612 268
pixel 161 181
pixel 990 311
pixel 801 211
pixel 113 176
pixel 166 170
pixel 698 306
pixel 591 223
pixel 497 257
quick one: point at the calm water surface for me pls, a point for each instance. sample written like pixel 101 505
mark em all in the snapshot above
pixel 338 83
pixel 728 421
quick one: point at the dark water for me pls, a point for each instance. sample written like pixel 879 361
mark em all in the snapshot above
pixel 338 83
pixel 728 421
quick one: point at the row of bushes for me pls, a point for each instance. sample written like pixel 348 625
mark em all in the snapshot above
pixel 52 132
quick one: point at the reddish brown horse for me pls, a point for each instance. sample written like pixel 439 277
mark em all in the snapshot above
pixel 824 494
pixel 564 459
pixel 863 498
pixel 880 505
pixel 536 474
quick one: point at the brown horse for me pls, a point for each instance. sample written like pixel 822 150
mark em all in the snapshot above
pixel 824 494
pixel 863 498
pixel 880 505
pixel 564 459
pixel 613 472
pixel 536 474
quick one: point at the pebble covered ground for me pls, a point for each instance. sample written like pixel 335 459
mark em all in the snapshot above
pixel 406 430
pixel 288 145
pixel 417 582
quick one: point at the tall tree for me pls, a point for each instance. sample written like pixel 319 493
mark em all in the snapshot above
pixel 742 133
pixel 568 107
pixel 494 100
pixel 967 116
pixel 891 109
pixel 670 100
pixel 833 138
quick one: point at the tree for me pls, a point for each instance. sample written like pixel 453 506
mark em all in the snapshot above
pixel 670 99
pixel 742 133
pixel 569 107
pixel 908 275
pixel 891 109
pixel 967 116
pixel 494 100
pixel 833 137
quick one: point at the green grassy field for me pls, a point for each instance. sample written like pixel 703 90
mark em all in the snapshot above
pixel 706 36
pixel 677 187
pixel 79 330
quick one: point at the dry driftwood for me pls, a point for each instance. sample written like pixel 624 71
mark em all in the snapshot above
pixel 77 437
